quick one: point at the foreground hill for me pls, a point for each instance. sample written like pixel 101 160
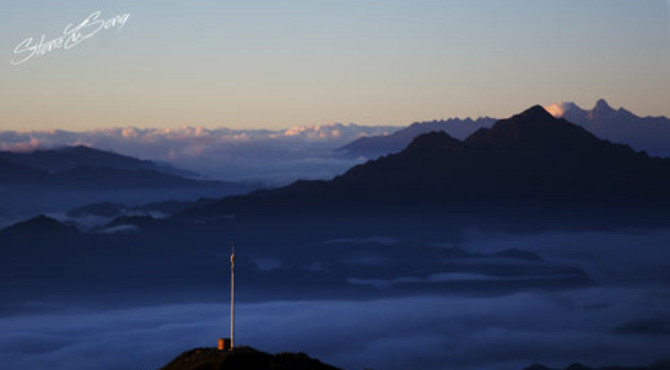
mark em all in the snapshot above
pixel 529 159
pixel 246 358
pixel 243 358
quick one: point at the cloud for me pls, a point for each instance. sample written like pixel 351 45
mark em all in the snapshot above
pixel 301 151
pixel 559 110
pixel 632 256
pixel 121 229
pixel 30 145
pixel 429 333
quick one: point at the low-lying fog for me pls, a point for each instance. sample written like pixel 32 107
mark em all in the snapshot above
pixel 623 317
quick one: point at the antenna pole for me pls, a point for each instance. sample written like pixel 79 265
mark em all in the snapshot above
pixel 232 298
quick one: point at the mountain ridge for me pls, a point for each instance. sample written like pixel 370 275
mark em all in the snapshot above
pixel 375 146
pixel 80 167
pixel 648 133
pixel 643 133
pixel 529 158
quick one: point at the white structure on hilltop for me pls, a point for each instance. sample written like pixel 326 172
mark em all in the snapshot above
pixel 232 298
pixel 227 344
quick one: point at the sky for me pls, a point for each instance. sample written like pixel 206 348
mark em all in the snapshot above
pixel 270 64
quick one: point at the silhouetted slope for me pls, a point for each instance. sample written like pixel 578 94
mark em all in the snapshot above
pixel 11 172
pixel 40 225
pixel 375 146
pixel 103 209
pixel 83 167
pixel 531 158
pixel 243 358
pixel 109 177
pixel 108 209
pixel 246 358
pixel 650 134
pixel 56 160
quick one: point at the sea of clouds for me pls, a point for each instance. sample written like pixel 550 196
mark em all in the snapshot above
pixel 273 155
pixel 623 318
pixel 506 332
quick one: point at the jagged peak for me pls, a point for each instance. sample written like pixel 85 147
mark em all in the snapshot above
pixel 602 105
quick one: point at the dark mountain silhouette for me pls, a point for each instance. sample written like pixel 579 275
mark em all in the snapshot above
pixel 171 207
pixel 62 159
pixel 375 146
pixel 650 134
pixel 243 358
pixel 81 167
pixel 529 159
pixel 111 210
pixel 40 225
pixel 103 209
pixel 141 222
pixel 112 178
pixel 11 173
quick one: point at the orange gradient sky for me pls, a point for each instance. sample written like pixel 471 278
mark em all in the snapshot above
pixel 269 64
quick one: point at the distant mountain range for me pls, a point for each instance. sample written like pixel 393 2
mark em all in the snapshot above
pixel 650 134
pixel 280 157
pixel 67 158
pixel 83 167
pixel 530 159
pixel 375 146
pixel 277 156
pixel 180 260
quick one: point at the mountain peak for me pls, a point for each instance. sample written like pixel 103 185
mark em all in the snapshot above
pixel 434 138
pixel 536 112
pixel 39 225
pixel 531 116
pixel 602 105
pixel 432 144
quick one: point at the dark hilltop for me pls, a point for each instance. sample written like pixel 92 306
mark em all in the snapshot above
pixel 243 358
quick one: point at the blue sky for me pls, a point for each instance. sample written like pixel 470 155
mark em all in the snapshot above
pixel 254 64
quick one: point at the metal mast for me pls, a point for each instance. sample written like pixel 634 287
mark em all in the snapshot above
pixel 232 298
